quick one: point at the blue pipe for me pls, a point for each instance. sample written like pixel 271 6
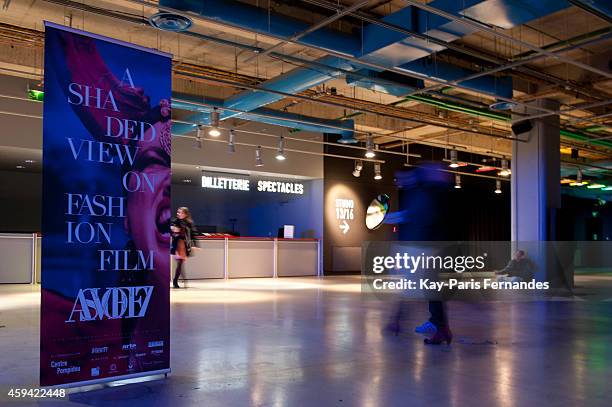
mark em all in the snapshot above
pixel 305 123
pixel 258 20
pixel 380 45
pixel 262 115
pixel 501 86
pixel 295 81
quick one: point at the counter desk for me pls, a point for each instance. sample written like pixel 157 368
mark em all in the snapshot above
pixel 240 257
pixel 20 259
pixel 217 257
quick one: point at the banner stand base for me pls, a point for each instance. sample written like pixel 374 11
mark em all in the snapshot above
pixel 89 385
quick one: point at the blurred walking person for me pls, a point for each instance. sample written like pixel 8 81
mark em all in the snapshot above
pixel 427 210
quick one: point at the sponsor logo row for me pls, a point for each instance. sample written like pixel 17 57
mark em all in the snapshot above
pixel 62 367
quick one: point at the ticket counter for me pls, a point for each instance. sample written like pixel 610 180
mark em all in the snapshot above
pixel 225 257
pixel 242 257
pixel 20 259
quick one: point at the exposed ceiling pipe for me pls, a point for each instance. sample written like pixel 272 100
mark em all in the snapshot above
pixel 292 150
pixel 562 112
pixel 468 174
pixel 510 66
pixel 302 140
pixel 483 27
pixel 466 50
pixel 360 62
pixel 599 9
pixel 422 77
pixel 325 22
pixel 194 105
pixel 530 58
pixel 273 117
pixel 229 43
pixel 601 116
pixel 335 104
pixel 219 40
pixel 255 49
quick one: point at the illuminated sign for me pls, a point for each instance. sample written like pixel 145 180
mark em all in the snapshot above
pixel 235 184
pixel 244 184
pixel 280 187
pixel 345 210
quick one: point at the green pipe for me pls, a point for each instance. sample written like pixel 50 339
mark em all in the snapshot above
pixel 585 138
pixel 594 129
pixel 569 41
pixel 455 107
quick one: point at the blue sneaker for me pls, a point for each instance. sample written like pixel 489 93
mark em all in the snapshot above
pixel 426 328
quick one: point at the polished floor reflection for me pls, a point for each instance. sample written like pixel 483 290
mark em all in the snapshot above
pixel 318 342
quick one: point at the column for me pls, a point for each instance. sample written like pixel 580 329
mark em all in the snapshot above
pixel 536 192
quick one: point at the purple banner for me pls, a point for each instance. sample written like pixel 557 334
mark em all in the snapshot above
pixel 105 306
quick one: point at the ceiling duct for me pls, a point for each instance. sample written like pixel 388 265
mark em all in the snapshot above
pixel 374 44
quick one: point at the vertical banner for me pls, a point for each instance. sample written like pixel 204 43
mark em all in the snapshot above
pixel 105 306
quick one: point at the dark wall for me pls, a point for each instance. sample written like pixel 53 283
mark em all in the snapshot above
pixel 473 212
pixel 480 214
pixel 341 251
pixel 339 248
pixel 252 213
pixel 584 219
pixel 20 201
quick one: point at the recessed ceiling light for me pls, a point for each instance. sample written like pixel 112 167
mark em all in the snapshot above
pixel 20 167
pixel 30 161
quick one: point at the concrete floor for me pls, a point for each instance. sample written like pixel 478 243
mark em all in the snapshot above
pixel 318 342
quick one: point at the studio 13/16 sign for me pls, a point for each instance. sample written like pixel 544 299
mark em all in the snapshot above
pixel 345 211
pixel 244 184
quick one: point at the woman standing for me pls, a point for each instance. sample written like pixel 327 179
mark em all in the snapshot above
pixel 182 240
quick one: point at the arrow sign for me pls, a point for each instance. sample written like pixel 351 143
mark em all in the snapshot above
pixel 344 227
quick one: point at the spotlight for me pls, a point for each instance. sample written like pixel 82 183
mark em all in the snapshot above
pixel 453 155
pixel 231 147
pixel 498 187
pixel 596 186
pixel 280 155
pixel 358 168
pixel 258 159
pixel 457 181
pixel 377 174
pixel 505 171
pixel 198 138
pixel 370 147
pixel 214 123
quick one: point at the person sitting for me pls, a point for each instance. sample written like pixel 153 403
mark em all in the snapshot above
pixel 518 269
